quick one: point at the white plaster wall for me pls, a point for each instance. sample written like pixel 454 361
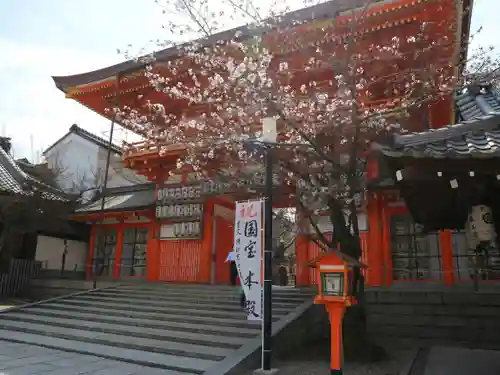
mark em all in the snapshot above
pixel 76 160
pixel 49 250
pixel 82 165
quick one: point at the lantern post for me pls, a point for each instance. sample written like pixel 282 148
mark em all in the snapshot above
pixel 335 291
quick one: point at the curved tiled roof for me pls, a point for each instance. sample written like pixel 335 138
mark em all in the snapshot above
pixel 139 196
pixel 13 180
pixel 477 100
pixel 476 136
pixel 322 11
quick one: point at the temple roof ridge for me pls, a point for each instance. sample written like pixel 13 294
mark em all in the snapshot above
pixel 323 11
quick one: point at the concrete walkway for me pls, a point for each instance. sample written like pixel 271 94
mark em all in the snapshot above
pixel 22 359
pixel 460 361
pixel 398 363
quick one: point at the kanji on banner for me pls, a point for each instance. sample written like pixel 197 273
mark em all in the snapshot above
pixel 248 254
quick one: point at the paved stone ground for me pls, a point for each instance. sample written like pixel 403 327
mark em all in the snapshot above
pixel 397 363
pixel 7 303
pixel 22 359
pixel 460 361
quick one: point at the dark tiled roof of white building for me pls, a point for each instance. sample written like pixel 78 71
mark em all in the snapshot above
pixel 99 141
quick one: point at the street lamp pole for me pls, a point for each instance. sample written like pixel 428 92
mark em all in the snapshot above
pixel 106 170
pixel 265 143
pixel 268 262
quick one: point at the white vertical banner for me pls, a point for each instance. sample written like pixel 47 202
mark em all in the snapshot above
pixel 248 254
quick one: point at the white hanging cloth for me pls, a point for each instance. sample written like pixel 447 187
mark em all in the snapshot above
pixel 479 226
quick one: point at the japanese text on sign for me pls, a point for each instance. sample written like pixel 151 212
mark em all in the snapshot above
pixel 248 253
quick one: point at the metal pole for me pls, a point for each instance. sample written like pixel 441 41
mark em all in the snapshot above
pixel 268 263
pixel 106 168
pixel 105 182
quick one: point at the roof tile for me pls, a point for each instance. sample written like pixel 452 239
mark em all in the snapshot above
pixel 477 136
pixel 14 180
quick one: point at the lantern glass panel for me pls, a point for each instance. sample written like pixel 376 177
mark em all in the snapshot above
pixel 333 284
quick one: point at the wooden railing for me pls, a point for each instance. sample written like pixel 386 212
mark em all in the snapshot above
pixel 146 147
pixel 21 271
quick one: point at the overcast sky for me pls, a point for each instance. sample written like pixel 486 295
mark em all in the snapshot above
pixel 42 38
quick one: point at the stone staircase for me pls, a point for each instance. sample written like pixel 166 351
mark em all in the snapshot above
pixel 424 318
pixel 183 329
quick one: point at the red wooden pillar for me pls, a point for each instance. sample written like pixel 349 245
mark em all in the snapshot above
pixel 301 259
pixel 153 252
pixel 386 253
pixel 375 256
pixel 205 267
pixel 118 250
pixel 445 238
pixel 90 252
pixel 302 251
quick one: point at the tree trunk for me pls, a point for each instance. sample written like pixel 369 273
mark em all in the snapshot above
pixel 357 345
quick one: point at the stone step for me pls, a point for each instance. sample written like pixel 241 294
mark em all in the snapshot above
pixel 155 315
pixel 135 331
pixel 240 329
pixel 187 288
pixel 120 340
pixel 132 294
pixel 208 289
pixel 457 321
pixel 177 364
pixel 210 305
pixel 465 332
pixel 188 329
pixel 196 286
pixel 166 309
pixel 443 310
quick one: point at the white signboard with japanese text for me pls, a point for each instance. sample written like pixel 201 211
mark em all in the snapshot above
pixel 248 254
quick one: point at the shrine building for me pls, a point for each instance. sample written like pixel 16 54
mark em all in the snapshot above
pixel 177 228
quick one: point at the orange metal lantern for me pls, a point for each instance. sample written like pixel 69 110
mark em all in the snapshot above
pixel 335 291
pixel 335 280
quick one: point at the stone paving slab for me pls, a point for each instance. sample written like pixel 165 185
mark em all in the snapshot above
pixel 138 356
pixel 24 359
pixel 461 361
pixel 398 363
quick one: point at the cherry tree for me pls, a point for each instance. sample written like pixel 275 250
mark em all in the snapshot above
pixel 331 88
